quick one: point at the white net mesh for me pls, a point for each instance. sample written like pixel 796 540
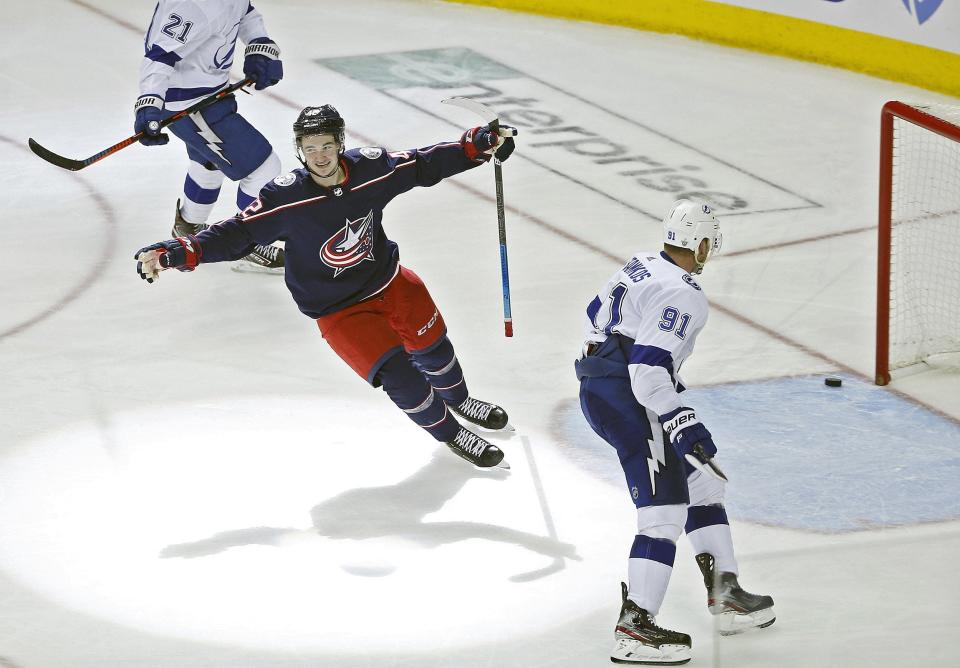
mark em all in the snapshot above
pixel 925 240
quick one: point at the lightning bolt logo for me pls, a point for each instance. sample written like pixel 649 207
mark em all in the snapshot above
pixel 209 136
pixel 657 459
pixel 654 462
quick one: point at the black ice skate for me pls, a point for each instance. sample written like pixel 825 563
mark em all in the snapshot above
pixel 639 640
pixel 737 610
pixel 263 259
pixel 182 228
pixel 482 413
pixel 477 451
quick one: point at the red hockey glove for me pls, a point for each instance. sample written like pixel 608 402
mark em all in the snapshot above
pixel 182 253
pixel 478 143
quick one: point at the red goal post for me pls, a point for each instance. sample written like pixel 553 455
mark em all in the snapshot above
pixel 918 285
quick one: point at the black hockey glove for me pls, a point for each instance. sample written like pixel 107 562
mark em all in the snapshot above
pixel 262 63
pixel 478 143
pixel 182 253
pixel 691 439
pixel 149 113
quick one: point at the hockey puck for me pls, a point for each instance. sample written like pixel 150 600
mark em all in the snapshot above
pixel 832 382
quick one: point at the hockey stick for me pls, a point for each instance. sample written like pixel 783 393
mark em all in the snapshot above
pixel 701 462
pixel 493 123
pixel 77 165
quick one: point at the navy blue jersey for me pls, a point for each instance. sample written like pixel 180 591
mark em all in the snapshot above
pixel 337 252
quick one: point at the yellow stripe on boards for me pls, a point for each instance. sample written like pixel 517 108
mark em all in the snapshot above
pixel 877 56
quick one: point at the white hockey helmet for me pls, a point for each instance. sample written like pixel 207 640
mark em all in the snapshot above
pixel 687 224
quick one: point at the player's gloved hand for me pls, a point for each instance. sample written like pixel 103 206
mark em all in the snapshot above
pixel 149 113
pixel 182 253
pixel 261 62
pixel 691 439
pixel 479 143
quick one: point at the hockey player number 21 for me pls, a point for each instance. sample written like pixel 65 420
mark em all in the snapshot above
pixel 175 21
pixel 672 319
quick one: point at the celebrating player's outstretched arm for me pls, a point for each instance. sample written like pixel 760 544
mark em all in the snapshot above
pixel 343 271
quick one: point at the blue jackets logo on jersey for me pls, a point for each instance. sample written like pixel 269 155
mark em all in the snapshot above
pixel 350 246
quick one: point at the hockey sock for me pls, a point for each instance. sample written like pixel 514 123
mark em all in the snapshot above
pixel 243 200
pixel 251 185
pixel 200 191
pixel 440 367
pixel 650 567
pixel 709 531
pixel 408 389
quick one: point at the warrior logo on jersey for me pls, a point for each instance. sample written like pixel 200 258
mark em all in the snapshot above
pixel 349 246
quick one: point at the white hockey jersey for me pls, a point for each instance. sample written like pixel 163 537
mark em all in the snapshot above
pixel 190 46
pixel 661 309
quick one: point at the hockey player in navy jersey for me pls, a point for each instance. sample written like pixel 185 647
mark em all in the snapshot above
pixel 343 271
pixel 188 50
pixel 640 328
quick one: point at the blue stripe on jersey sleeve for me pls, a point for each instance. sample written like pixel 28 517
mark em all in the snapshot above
pixel 652 356
pixel 592 310
pixel 159 55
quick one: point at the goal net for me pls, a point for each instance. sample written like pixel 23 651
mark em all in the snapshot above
pixel 918 283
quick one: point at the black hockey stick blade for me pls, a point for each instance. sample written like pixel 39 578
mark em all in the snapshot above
pixel 77 165
pixel 53 158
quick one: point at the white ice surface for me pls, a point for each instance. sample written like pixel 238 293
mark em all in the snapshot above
pixel 189 477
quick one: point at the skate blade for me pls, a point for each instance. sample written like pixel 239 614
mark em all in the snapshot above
pixel 632 652
pixel 732 623
pixel 503 465
pixel 508 430
pixel 244 267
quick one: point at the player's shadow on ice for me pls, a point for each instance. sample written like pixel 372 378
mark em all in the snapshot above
pixel 394 511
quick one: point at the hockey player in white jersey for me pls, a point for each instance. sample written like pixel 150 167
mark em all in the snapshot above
pixel 188 51
pixel 640 328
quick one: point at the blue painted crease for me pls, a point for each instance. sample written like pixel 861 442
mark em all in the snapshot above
pixel 802 455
